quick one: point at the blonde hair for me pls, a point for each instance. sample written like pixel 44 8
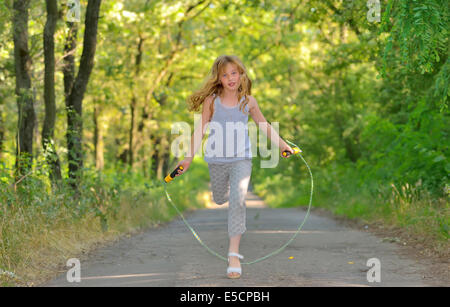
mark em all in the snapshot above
pixel 212 84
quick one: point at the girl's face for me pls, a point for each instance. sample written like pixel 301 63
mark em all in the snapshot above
pixel 230 77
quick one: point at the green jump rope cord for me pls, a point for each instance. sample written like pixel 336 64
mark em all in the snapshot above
pixel 268 255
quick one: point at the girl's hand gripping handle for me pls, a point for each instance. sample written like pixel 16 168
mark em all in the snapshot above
pixel 180 169
pixel 173 174
pixel 287 153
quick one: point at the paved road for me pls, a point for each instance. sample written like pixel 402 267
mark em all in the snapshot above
pixel 325 253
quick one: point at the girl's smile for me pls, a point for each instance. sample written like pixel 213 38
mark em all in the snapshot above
pixel 230 77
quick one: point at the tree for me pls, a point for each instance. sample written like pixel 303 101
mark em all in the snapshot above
pixel 49 92
pixel 76 87
pixel 25 102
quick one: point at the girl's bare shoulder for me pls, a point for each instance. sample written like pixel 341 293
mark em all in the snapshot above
pixel 209 100
pixel 207 112
pixel 252 102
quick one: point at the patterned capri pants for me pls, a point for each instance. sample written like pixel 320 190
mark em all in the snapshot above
pixel 229 182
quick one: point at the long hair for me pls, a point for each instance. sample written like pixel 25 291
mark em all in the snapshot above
pixel 212 84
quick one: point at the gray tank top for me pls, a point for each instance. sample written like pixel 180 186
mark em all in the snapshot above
pixel 228 140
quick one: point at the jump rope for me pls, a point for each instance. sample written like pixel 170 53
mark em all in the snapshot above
pixel 285 154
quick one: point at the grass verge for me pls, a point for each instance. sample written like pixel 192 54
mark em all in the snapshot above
pixel 40 230
pixel 408 212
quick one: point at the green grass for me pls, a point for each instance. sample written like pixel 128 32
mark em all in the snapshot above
pixel 40 230
pixel 409 209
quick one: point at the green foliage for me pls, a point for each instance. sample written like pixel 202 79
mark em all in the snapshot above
pixel 341 189
pixel 415 152
pixel 367 103
pixel 420 28
pixel 118 202
pixel 418 41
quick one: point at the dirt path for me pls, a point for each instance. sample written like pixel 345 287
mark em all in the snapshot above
pixel 325 253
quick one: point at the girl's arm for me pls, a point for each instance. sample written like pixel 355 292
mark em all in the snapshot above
pixel 267 128
pixel 197 136
pixel 199 133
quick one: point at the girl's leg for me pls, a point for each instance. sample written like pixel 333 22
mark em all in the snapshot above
pixel 220 178
pixel 234 247
pixel 234 243
pixel 239 180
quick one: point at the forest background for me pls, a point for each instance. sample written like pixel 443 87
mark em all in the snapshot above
pixel 89 91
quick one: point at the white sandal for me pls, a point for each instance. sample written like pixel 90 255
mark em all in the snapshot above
pixel 232 269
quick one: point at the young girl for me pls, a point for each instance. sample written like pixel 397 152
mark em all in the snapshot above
pixel 225 97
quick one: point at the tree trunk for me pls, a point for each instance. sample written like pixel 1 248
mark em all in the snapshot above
pixel 2 132
pixel 133 103
pixel 49 93
pixel 163 154
pixel 159 171
pixel 98 139
pixel 131 132
pixel 27 116
pixel 69 77
pixel 167 162
pixel 76 93
pixel 155 141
